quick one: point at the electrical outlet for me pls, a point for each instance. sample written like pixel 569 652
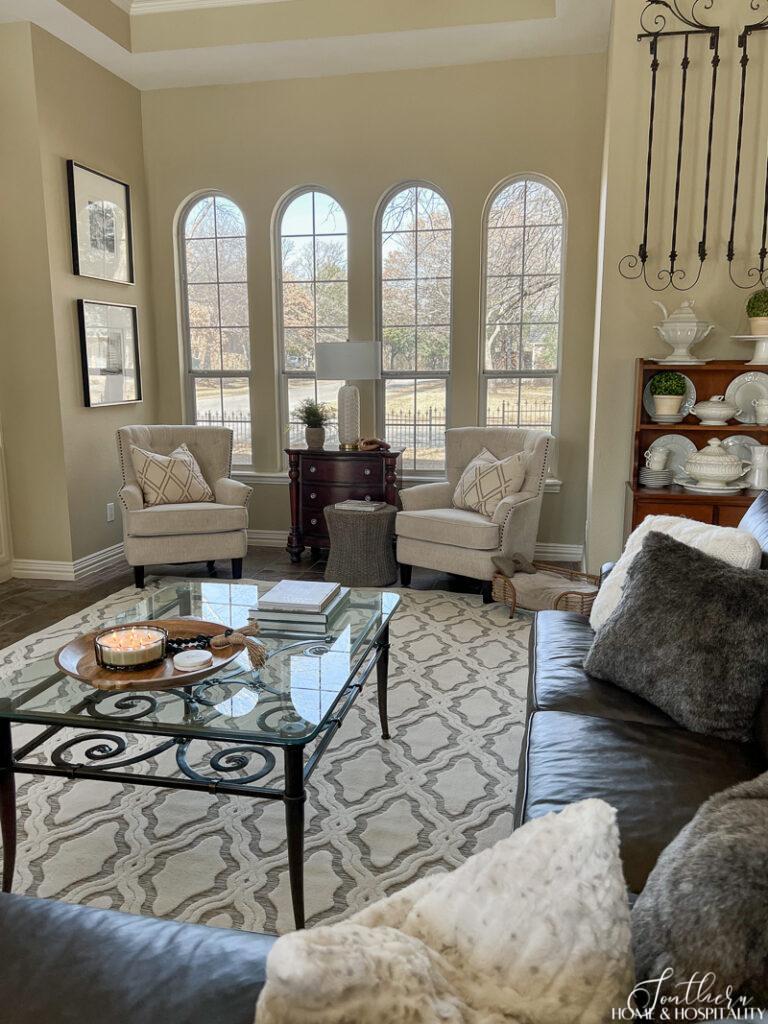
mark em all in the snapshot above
pixel 110 511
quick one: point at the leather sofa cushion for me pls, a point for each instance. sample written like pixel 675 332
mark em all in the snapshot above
pixel 183 520
pixel 655 776
pixel 559 643
pixel 69 964
pixel 449 526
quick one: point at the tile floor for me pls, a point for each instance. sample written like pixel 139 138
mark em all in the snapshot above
pixel 27 606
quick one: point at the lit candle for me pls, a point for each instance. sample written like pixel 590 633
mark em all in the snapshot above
pixel 130 647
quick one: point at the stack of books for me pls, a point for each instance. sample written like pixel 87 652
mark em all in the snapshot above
pixel 298 606
pixel 360 506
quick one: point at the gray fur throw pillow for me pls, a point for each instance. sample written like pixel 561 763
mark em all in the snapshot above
pixel 705 904
pixel 690 635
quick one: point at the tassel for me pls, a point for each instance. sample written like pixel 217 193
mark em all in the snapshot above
pixel 244 637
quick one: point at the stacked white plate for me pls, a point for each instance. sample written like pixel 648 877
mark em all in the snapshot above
pixel 655 477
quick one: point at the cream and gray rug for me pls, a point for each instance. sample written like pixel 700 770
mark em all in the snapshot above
pixel 379 813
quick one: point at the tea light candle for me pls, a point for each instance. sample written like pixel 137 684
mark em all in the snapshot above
pixel 130 647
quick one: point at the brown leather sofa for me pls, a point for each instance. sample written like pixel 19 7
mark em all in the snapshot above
pixel 586 738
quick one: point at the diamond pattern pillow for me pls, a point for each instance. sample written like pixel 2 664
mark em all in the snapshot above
pixel 170 479
pixel 487 480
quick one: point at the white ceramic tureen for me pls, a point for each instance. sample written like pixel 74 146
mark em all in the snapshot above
pixel 715 466
pixel 715 411
pixel 682 329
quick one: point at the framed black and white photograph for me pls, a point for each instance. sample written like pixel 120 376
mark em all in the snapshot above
pixel 100 221
pixel 109 344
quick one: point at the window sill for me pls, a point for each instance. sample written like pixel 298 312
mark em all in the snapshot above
pixel 252 477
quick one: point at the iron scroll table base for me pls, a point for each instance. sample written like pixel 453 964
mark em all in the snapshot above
pixel 103 760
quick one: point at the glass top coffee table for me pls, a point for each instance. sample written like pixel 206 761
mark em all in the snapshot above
pixel 298 700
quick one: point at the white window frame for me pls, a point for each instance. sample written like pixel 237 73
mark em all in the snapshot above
pixel 553 375
pixel 283 375
pixel 381 404
pixel 190 374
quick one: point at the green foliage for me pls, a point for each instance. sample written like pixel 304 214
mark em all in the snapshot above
pixel 668 383
pixel 312 413
pixel 757 304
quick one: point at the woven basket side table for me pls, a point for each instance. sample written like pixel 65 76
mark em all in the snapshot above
pixel 362 547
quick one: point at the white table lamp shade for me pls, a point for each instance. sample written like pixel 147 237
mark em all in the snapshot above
pixel 348 360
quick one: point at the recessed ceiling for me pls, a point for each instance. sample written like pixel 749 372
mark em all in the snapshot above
pixel 175 57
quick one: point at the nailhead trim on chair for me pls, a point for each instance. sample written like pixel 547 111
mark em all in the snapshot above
pixel 542 479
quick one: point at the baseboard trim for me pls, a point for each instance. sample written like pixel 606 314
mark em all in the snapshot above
pixel 560 552
pixel 268 538
pixel 40 569
pixel 547 552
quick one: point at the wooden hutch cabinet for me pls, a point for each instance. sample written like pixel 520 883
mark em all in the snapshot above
pixel 708 379
pixel 323 477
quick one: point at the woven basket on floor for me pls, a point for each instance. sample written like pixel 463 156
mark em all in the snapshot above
pixel 578 592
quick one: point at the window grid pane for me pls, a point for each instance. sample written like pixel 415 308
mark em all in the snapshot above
pixel 314 301
pixel 218 335
pixel 523 261
pixel 415 266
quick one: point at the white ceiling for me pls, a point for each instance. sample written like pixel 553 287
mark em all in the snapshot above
pixel 581 26
pixel 154 6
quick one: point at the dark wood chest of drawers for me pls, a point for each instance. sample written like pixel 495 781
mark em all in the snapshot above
pixel 320 478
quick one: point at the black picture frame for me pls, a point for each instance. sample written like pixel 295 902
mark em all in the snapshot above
pixel 112 369
pixel 102 234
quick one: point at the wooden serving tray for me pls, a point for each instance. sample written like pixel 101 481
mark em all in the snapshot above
pixel 78 659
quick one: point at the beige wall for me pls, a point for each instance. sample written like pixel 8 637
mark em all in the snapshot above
pixel 29 396
pixel 625 311
pixel 61 457
pixel 88 114
pixel 464 128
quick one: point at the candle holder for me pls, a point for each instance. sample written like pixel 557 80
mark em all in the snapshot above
pixel 130 648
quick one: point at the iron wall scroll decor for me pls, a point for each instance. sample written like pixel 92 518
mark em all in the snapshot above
pixel 660 20
pixel 757 274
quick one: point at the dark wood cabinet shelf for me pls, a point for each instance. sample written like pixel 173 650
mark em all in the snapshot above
pixel 322 477
pixel 709 379
pixel 696 427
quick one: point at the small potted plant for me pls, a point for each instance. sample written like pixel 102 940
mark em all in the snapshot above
pixel 668 391
pixel 314 415
pixel 757 311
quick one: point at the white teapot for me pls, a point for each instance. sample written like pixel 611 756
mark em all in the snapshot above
pixel 682 329
pixel 714 466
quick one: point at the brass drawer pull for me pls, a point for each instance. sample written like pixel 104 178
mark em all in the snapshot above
pixel 313 522
pixel 367 472
pixel 313 495
pixel 313 469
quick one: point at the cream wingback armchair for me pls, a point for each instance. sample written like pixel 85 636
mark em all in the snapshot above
pixel 433 534
pixel 195 532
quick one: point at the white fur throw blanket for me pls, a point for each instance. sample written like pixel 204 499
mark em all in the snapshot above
pixel 534 930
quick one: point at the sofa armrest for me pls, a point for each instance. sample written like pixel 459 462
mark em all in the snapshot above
pixel 425 496
pixel 231 492
pixel 604 570
pixel 131 497
pixel 125 968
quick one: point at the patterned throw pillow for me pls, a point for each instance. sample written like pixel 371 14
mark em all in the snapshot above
pixel 487 480
pixel 170 479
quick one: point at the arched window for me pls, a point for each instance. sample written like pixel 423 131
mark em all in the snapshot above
pixel 414 273
pixel 214 295
pixel 311 267
pixel 524 231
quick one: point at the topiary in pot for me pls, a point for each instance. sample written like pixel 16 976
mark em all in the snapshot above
pixel 314 415
pixel 668 391
pixel 757 311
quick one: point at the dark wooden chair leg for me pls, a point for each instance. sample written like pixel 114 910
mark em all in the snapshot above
pixel 486 588
pixel 237 568
pixel 211 567
pixel 138 576
pixel 405 575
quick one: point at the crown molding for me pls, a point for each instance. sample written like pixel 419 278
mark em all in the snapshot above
pixel 169 6
pixel 124 5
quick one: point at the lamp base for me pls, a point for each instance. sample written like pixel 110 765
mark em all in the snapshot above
pixel 348 447
pixel 349 417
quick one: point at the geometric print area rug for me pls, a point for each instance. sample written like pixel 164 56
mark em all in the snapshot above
pixel 378 814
